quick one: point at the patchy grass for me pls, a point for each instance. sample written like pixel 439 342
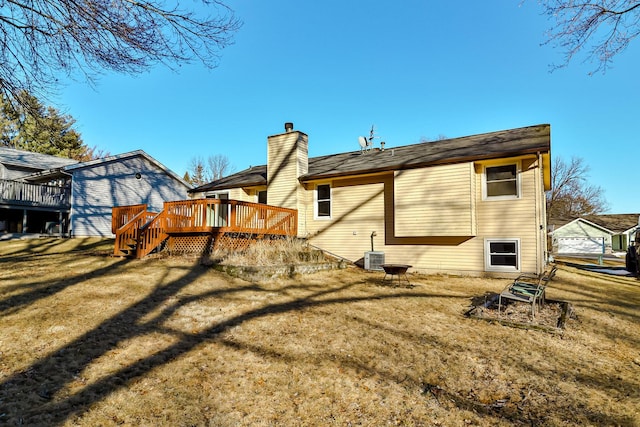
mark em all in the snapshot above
pixel 87 339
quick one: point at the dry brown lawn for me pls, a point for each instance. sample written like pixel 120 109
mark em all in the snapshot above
pixel 88 339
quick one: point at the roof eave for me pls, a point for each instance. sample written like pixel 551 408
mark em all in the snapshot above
pixel 226 187
pixel 418 165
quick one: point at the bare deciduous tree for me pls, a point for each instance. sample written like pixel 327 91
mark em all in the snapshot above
pixel 39 40
pixel 218 166
pixel 571 195
pixel 203 171
pixel 599 28
pixel 440 137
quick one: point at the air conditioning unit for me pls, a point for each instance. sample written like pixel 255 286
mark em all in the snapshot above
pixel 373 260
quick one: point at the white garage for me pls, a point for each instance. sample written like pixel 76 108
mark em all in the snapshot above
pixel 581 245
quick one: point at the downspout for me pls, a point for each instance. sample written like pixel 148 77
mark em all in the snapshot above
pixel 541 252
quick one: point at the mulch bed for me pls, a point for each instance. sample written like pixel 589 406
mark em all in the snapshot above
pixel 552 316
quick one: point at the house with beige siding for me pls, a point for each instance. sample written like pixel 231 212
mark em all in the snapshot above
pixel 472 205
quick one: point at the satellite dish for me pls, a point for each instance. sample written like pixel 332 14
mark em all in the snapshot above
pixel 362 141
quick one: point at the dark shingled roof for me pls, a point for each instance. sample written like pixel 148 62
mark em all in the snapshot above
pixel 506 143
pixel 617 223
pixel 33 161
pixel 253 177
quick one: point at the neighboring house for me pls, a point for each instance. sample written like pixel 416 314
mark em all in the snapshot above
pixel 594 234
pixel 25 206
pixel 48 194
pixel 472 205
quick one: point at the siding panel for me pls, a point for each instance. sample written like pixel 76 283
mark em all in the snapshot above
pixel 357 211
pixel 96 189
pixel 435 201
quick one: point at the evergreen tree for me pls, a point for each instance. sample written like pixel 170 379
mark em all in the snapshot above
pixel 27 124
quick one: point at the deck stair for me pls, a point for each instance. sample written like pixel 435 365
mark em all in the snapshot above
pixel 129 248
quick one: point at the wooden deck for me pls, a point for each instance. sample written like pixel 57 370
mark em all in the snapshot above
pixel 197 225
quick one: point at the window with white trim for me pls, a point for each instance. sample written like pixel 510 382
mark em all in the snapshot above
pixel 502 254
pixel 501 182
pixel 322 204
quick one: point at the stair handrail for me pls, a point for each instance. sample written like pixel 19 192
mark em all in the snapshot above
pixel 128 232
pixel 152 233
pixel 121 215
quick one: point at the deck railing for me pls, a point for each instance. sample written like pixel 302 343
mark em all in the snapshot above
pixel 143 231
pixel 204 215
pixel 127 235
pixel 37 195
pixel 121 215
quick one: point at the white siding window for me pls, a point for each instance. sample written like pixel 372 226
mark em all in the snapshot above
pixel 322 201
pixel 501 182
pixel 502 254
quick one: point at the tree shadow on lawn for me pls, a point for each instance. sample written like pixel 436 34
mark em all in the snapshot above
pixel 30 395
pixel 621 298
pixel 37 290
pixel 18 250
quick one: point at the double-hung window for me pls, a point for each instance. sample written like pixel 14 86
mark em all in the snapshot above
pixel 501 182
pixel 502 254
pixel 323 201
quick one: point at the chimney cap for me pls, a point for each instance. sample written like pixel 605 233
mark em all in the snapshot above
pixel 288 126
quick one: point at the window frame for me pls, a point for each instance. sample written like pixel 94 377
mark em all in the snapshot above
pixel 485 182
pixel 489 266
pixel 221 216
pixel 317 201
pixel 258 192
pixel 221 195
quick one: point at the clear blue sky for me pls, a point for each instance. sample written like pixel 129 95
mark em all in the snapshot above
pixel 416 69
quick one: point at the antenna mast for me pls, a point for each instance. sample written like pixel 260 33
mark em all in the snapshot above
pixel 366 144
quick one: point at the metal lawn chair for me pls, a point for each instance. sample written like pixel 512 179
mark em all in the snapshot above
pixel 528 288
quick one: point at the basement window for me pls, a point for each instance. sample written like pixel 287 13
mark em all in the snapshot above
pixel 502 254
pixel 322 203
pixel 501 182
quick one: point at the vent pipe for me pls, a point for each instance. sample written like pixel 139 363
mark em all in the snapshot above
pixel 288 127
